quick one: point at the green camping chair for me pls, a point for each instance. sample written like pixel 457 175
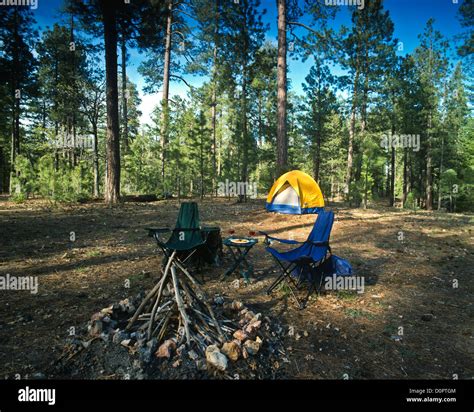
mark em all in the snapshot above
pixel 188 241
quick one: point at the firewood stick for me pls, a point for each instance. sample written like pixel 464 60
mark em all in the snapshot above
pixel 160 323
pixel 189 293
pixel 160 290
pixel 180 304
pixel 144 302
pixel 204 301
pixel 165 324
pixel 203 320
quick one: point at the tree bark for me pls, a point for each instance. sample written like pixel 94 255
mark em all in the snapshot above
pixel 317 148
pixel 2 170
pixel 392 178
pixel 73 100
pixel 124 91
pixel 96 162
pixel 405 177
pixel 391 194
pixel 429 170
pixel 201 155
pixel 112 187
pixel 282 138
pixel 350 147
pixel 214 99
pixel 441 166
pixel 165 97
pixel 245 137
pixel 15 137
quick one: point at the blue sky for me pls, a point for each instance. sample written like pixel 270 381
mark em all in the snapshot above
pixel 409 17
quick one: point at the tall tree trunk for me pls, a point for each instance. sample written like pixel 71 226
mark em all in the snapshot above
pixel 15 136
pixel 214 138
pixel 96 161
pixel 214 99
pixel 112 187
pixel 441 166
pixel 392 178
pixel 405 177
pixel 1 170
pixel 363 125
pixel 245 137
pixel 74 98
pixel 219 155
pixel 429 169
pixel 201 155
pixel 282 138
pixel 352 126
pixel 165 97
pixel 391 195
pixel 124 91
pixel 366 183
pixel 317 150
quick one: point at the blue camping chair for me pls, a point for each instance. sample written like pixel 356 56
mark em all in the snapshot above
pixel 307 262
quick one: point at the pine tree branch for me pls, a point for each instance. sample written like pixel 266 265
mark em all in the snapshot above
pixel 183 80
pixel 296 23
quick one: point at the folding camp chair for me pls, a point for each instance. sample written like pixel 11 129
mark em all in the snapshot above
pixel 188 239
pixel 306 262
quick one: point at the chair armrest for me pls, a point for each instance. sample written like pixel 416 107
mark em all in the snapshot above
pixel 286 241
pixel 211 229
pixel 326 243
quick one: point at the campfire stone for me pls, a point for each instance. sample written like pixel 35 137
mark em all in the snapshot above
pixel 123 305
pixel 252 347
pixel 253 327
pixel 164 351
pixel 119 336
pixel 249 315
pixel 108 311
pixel 240 335
pixel 193 355
pixel 97 316
pixel 243 312
pixel 125 342
pixel 96 328
pixel 215 358
pixel 232 350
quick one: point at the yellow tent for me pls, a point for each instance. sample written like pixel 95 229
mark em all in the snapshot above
pixel 295 193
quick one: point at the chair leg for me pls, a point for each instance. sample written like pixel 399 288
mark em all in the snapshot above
pixel 285 273
pixel 276 283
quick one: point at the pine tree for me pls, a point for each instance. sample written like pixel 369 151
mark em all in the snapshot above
pixel 18 77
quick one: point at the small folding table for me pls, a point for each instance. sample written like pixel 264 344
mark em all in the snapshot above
pixel 239 248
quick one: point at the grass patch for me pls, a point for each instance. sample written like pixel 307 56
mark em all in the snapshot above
pixel 346 295
pixel 93 253
pixel 358 313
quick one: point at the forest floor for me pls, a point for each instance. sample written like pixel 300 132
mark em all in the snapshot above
pixel 409 284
